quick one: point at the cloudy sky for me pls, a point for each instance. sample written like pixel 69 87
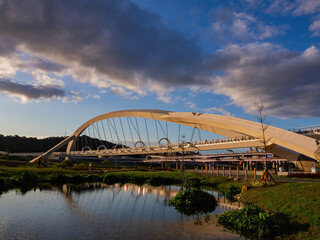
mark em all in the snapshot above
pixel 63 62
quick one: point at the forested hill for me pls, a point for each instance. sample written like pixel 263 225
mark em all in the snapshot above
pixel 27 144
pixel 16 144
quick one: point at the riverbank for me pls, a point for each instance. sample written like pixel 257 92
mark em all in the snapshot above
pixel 297 203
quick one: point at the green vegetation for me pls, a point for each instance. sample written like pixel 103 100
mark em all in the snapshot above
pixel 231 192
pixel 251 220
pixel 297 203
pixel 27 144
pixel 193 200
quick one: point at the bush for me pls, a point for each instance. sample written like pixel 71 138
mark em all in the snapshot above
pixel 251 220
pixel 25 181
pixel 193 200
pixel 111 179
pixel 231 192
pixel 106 163
pixel 64 164
pixel 159 180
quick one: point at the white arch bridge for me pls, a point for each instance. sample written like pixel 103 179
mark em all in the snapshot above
pixel 134 132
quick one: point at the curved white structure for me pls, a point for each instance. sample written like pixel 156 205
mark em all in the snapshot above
pixel 222 125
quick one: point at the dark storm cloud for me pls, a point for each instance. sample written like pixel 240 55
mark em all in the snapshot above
pixel 124 46
pixel 28 91
pixel 114 37
pixel 46 65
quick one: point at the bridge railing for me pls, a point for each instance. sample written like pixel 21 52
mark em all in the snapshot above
pixel 172 146
pixel 309 129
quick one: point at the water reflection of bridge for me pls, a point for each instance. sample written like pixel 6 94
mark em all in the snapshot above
pixel 160 193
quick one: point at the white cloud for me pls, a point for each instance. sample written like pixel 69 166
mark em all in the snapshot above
pixel 298 8
pixel 192 105
pixel 231 26
pixel 217 110
pixel 288 82
pixel 315 28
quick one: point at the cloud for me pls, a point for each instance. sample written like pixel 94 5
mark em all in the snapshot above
pixel 306 7
pixel 288 82
pixel 123 49
pixel 229 25
pixel 192 105
pixel 114 42
pixel 217 110
pixel 29 92
pixel 315 28
pixel 298 8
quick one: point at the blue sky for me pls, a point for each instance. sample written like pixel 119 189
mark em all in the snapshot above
pixel 64 62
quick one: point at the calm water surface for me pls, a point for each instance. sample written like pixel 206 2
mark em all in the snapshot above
pixel 97 211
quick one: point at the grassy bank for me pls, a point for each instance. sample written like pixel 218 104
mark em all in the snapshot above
pixel 297 204
pixel 8 176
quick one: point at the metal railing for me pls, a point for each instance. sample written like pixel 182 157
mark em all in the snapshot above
pixel 304 130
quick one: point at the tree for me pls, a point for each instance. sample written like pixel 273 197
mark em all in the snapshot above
pixel 266 176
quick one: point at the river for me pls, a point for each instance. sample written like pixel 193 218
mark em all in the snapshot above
pixel 98 211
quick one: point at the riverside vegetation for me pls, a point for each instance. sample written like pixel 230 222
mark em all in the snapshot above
pixel 193 200
pixel 292 209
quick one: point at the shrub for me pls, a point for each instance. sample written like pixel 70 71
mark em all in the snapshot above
pixel 251 220
pixel 26 178
pixel 193 200
pixel 159 180
pixel 25 181
pixel 64 164
pixel 231 192
pixel 106 163
pixel 111 179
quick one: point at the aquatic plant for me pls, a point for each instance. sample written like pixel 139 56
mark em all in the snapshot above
pixel 193 200
pixel 231 192
pixel 251 220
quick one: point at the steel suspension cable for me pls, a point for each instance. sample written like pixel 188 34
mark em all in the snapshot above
pixel 130 132
pixel 179 134
pixel 116 132
pixel 98 132
pixel 125 140
pixel 138 129
pixel 167 130
pixel 157 129
pixel 135 129
pixel 104 133
pixel 90 139
pixel 192 134
pixel 81 139
pixel 162 129
pixel 145 120
pixel 94 136
pixel 110 130
pixel 86 138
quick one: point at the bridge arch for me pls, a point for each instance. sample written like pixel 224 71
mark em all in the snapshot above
pixel 143 144
pixel 101 148
pixel 227 126
pixel 86 148
pixel 168 142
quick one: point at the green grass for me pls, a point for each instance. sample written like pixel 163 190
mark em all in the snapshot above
pixel 299 203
